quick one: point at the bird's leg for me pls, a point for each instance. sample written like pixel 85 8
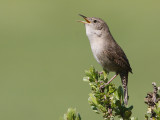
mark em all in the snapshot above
pixel 111 79
pixel 105 84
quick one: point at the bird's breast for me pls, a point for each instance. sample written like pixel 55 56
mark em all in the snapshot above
pixel 97 47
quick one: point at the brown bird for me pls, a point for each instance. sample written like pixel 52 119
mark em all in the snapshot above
pixel 106 51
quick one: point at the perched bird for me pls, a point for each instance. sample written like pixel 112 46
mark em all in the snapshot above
pixel 106 51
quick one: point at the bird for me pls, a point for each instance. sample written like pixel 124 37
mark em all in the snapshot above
pixel 107 52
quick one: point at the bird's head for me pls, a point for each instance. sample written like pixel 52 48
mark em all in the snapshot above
pixel 94 26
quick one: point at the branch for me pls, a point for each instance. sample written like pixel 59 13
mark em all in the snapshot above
pixel 153 101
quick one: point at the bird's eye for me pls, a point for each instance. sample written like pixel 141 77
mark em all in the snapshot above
pixel 95 21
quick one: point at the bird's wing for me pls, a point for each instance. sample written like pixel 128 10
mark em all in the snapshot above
pixel 119 58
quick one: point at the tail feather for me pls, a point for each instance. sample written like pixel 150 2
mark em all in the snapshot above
pixel 124 79
pixel 126 96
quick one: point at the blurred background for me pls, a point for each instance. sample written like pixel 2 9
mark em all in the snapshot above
pixel 44 52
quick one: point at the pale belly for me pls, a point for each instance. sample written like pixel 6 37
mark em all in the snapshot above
pixel 98 46
pixel 103 60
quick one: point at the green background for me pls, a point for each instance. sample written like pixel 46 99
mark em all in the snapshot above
pixel 44 52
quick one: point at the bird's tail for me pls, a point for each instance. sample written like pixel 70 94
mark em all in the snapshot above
pixel 124 79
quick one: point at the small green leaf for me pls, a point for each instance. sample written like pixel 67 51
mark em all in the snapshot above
pixel 118 104
pixel 71 115
pixel 105 75
pixel 128 114
pixel 111 89
pixel 133 118
pixel 86 79
pixel 120 92
pixel 92 99
pixel 94 108
pixel 102 108
pixel 78 117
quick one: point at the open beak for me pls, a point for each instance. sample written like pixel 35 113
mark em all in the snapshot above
pixel 86 20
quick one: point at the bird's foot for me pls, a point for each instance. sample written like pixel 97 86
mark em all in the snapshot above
pixel 101 88
pixel 111 79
